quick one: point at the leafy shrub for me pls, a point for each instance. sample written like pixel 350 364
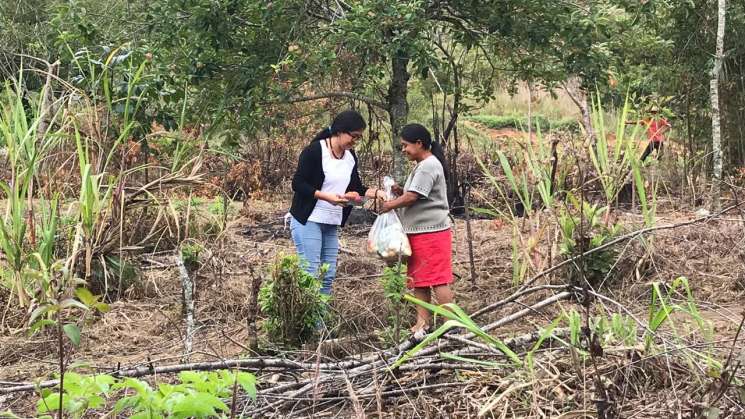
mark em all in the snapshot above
pixel 112 274
pixel 394 287
pixel 292 301
pixel 520 122
pixel 80 394
pixel 190 251
pixel 198 395
pixel 583 231
pixel 618 329
pixel 205 217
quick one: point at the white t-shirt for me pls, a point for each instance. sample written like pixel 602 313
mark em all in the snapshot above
pixel 337 175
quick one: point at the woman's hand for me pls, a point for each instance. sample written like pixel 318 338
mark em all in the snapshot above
pixel 405 200
pixel 332 198
pixel 375 193
pixel 353 197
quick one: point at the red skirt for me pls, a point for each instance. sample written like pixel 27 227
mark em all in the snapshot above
pixel 430 263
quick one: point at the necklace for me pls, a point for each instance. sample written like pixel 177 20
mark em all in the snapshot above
pixel 331 148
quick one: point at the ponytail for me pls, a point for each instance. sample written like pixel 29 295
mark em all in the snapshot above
pixel 412 133
pixel 322 135
pixel 346 121
pixel 438 152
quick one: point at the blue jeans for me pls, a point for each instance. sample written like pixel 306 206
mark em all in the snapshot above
pixel 318 244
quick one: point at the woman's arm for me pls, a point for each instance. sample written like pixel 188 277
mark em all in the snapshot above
pixel 304 171
pixel 406 200
pixel 307 164
pixel 375 193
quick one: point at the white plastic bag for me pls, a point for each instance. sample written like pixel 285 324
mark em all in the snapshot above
pixel 387 238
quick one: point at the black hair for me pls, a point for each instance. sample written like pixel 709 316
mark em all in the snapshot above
pixel 346 121
pixel 412 133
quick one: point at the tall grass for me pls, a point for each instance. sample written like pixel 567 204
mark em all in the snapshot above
pixel 554 105
pixel 30 229
pixel 612 160
pixel 25 148
pixel 94 202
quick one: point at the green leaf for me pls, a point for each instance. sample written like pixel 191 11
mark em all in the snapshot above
pixel 70 302
pixel 248 382
pixel 191 377
pixel 125 403
pixel 73 332
pixel 142 388
pixel 102 307
pixel 430 338
pixel 40 325
pixel 40 311
pixel 85 296
pixel 198 405
pixel 48 404
pixel 453 357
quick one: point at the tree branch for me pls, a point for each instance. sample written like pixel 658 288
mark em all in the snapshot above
pixel 328 95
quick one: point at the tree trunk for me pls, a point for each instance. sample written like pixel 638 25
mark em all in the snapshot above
pixel 580 99
pixel 587 119
pixel 187 292
pixel 398 109
pixel 716 139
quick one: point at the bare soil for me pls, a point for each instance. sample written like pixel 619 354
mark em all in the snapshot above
pixel 145 326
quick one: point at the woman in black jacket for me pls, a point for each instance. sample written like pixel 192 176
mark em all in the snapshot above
pixel 325 182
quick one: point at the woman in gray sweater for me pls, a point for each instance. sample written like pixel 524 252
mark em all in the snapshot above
pixel 424 212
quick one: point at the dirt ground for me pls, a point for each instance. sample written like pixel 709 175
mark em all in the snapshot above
pixel 145 326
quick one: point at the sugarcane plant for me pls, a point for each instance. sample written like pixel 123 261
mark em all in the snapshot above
pixel 26 147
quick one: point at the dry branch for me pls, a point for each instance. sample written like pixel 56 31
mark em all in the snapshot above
pixel 348 95
pixel 387 358
pixel 250 363
pixel 523 290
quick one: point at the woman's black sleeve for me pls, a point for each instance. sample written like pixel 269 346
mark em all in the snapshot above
pixel 304 173
pixel 355 184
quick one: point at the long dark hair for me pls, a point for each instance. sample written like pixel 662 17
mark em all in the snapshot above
pixel 412 133
pixel 346 121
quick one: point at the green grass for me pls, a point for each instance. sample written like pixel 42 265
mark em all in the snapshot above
pixel 520 122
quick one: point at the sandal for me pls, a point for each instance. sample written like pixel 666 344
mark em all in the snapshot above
pixel 419 334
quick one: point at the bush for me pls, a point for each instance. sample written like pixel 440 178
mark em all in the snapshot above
pixel 393 282
pixel 595 232
pixel 292 301
pixel 190 254
pixel 520 122
pixel 112 276
pixel 198 394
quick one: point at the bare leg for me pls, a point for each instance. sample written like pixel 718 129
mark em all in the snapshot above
pixel 423 318
pixel 443 294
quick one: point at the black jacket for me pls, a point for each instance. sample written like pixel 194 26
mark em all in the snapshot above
pixel 309 178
